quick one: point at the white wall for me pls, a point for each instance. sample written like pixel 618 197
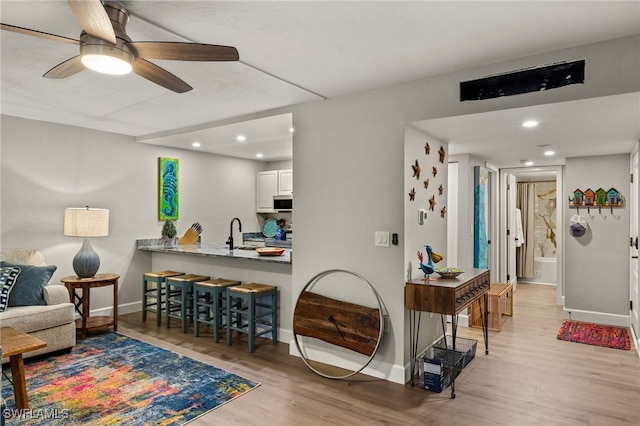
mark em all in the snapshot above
pixel 47 167
pixel 279 165
pixel 597 263
pixel 433 232
pixel 349 169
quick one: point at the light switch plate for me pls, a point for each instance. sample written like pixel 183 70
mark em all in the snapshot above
pixel 422 216
pixel 382 239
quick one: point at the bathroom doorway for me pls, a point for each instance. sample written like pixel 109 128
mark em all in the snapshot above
pixel 538 227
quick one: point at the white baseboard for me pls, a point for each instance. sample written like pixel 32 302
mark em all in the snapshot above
pixel 127 308
pixel 635 341
pixel 595 317
pixel 382 370
pixel 463 320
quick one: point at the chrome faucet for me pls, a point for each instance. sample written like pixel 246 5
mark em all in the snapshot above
pixel 230 240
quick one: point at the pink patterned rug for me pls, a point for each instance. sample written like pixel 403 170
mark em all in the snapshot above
pixel 595 334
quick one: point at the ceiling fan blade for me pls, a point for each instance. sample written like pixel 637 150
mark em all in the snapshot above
pixel 93 19
pixel 179 51
pixel 66 68
pixel 40 34
pixel 159 76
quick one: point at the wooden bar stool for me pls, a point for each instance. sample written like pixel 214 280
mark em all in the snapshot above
pixel 209 304
pixel 179 298
pixel 246 308
pixel 155 292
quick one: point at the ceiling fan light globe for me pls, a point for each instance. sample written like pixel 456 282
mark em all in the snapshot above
pixel 106 64
pixel 106 59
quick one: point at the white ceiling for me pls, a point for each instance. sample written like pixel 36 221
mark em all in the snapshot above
pixel 295 52
pixel 597 126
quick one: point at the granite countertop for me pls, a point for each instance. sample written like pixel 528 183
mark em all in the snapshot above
pixel 212 249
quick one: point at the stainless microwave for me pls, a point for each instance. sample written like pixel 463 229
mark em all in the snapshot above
pixel 283 203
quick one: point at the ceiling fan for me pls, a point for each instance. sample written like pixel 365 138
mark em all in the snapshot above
pixel 106 47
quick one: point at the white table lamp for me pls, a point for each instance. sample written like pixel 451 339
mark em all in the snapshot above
pixel 86 222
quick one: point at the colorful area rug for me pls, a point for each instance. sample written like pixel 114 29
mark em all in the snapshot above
pixel 114 379
pixel 595 334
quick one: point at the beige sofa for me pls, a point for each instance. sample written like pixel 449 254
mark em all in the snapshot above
pixel 53 323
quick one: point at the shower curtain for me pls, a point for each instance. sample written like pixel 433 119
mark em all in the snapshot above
pixel 525 253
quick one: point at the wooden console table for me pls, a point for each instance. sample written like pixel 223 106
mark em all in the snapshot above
pixel 82 302
pixel 445 297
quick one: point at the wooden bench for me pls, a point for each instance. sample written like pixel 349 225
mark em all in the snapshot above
pixel 500 303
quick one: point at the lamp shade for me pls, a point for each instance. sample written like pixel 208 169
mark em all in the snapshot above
pixel 86 222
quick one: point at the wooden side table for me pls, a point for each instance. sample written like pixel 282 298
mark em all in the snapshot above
pixel 82 302
pixel 14 343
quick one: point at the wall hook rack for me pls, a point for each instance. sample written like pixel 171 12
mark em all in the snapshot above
pixel 614 216
pixel 601 215
pixel 600 198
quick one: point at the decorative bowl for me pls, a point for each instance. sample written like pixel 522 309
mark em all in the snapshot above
pixel 449 272
pixel 270 251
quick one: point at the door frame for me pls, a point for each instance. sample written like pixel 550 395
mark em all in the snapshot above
pixel 634 205
pixel 561 209
pixel 494 215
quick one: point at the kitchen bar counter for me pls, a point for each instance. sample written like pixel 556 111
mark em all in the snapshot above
pixel 216 261
pixel 213 250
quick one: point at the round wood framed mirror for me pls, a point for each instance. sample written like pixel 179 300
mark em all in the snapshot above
pixel 335 337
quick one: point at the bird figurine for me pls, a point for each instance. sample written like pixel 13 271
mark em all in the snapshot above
pixel 427 268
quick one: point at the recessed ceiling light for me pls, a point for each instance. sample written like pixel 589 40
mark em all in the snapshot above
pixel 196 144
pixel 291 129
pixel 549 153
pixel 527 162
pixel 530 123
pixel 241 138
pixel 258 155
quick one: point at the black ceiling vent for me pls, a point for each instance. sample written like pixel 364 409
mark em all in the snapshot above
pixel 515 83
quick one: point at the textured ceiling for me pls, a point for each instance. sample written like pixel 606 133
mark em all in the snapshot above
pixel 290 52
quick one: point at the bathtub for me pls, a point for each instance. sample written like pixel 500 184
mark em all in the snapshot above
pixel 545 271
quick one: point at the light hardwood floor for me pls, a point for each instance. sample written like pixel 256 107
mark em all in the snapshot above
pixel 528 378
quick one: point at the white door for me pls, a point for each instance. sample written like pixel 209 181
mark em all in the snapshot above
pixel 511 230
pixel 633 285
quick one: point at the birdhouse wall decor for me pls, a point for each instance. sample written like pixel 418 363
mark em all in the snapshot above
pixel 599 198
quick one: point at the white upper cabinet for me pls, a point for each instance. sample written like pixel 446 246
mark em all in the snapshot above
pixel 285 182
pixel 269 184
pixel 266 188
